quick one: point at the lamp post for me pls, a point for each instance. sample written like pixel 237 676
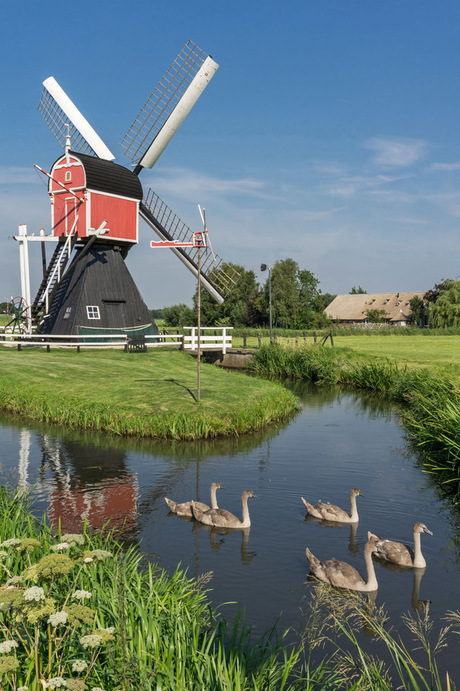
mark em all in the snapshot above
pixel 264 267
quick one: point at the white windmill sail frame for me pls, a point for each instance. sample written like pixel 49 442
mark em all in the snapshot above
pixel 180 112
pixel 77 119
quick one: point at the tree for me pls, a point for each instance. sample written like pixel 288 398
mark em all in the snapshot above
pixel 285 288
pixel 235 309
pixel 418 310
pixel 179 315
pixel 376 316
pixel 433 294
pixel 446 310
pixel 357 291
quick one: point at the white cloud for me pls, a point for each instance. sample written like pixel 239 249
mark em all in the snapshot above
pixel 445 166
pixel 190 184
pixel 396 152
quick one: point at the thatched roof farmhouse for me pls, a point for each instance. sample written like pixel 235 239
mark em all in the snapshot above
pixel 352 309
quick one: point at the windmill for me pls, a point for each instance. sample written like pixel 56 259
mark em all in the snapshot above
pixel 96 205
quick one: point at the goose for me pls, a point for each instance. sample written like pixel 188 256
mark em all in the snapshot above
pixel 222 518
pixel 397 553
pixel 329 512
pixel 342 575
pixel 185 508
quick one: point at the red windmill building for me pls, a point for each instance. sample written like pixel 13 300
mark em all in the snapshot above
pixel 96 205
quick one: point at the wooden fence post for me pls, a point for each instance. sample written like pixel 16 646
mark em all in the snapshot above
pixel 314 336
pixel 304 336
pixel 259 338
pixel 244 339
pixel 275 337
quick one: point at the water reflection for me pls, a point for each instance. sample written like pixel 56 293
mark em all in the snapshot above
pixel 217 539
pixel 353 546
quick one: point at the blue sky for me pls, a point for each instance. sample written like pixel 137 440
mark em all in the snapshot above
pixel 330 132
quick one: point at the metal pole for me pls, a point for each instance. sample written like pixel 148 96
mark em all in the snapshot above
pixel 270 299
pixel 198 359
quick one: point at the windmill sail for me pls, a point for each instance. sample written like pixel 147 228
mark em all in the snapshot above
pixel 216 276
pixel 168 105
pixel 63 118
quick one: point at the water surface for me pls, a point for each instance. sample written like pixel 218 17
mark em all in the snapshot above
pixel 338 441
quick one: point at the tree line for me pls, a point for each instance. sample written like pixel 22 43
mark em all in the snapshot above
pixel 297 301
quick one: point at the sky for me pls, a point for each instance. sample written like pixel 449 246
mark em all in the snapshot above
pixel 330 133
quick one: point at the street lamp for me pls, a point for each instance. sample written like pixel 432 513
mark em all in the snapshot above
pixel 264 267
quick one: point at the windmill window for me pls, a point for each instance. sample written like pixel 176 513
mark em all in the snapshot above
pixel 68 176
pixel 67 312
pixel 93 312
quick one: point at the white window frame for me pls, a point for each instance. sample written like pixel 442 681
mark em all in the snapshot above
pixel 92 312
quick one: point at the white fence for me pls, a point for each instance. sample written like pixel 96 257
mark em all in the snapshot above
pixel 222 340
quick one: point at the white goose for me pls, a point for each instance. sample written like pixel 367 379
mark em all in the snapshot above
pixel 222 518
pixel 185 508
pixel 330 512
pixel 397 553
pixel 342 575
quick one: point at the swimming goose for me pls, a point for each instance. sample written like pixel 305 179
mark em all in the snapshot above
pixel 222 518
pixel 397 553
pixel 342 575
pixel 329 512
pixel 185 508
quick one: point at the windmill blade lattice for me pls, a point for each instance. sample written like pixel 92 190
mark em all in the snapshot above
pixel 223 275
pixel 163 100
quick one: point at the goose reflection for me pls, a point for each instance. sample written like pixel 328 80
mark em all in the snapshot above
pixel 353 546
pixel 217 539
pixel 416 603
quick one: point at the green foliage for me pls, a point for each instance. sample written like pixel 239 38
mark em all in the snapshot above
pixel 418 310
pixel 446 310
pixel 357 291
pixel 179 315
pixel 376 316
pixel 239 308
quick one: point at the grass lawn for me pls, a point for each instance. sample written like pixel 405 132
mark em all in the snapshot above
pixel 136 393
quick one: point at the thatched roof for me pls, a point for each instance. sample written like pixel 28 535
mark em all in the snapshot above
pixel 353 308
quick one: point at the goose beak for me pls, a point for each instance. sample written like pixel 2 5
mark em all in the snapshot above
pixel 425 530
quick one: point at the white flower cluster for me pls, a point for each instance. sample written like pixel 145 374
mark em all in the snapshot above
pixel 8 646
pixel 58 618
pixel 92 640
pixel 60 547
pixel 97 688
pixel 34 593
pixel 12 542
pixel 81 594
pixel 79 666
pixel 87 560
pixel 22 688
pixel 55 683
pixel 73 538
pixel 110 629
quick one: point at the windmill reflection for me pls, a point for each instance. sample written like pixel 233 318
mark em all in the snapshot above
pixel 89 484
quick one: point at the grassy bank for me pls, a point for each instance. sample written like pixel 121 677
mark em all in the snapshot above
pixel 140 394
pixel 428 400
pixel 80 613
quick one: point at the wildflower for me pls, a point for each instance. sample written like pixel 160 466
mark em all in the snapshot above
pixel 22 688
pixel 54 565
pixel 3 554
pixel 97 688
pixel 76 685
pixel 14 580
pixel 33 612
pixel 81 594
pixel 28 544
pixel 91 640
pixel 55 683
pixel 79 666
pixel 58 618
pixel 80 614
pixel 7 646
pixel 73 539
pixel 87 560
pixel 60 546
pixel 12 542
pixel 34 594
pixel 9 598
pixel 105 634
pixel 8 664
pixel 97 554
